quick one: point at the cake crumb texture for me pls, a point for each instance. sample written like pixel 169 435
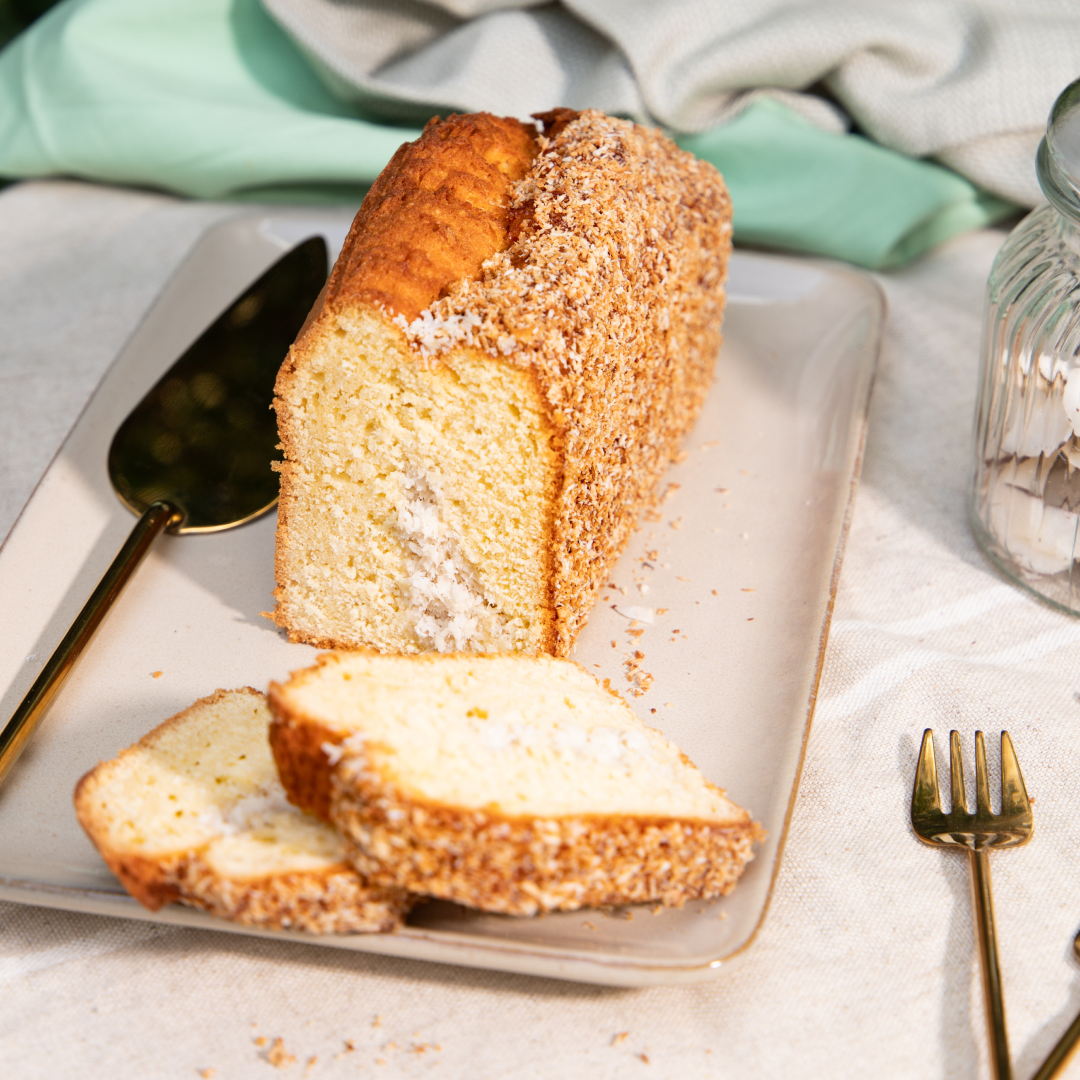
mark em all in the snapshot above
pixel 507 783
pixel 194 812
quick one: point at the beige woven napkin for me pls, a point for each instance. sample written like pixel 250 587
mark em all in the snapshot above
pixel 866 962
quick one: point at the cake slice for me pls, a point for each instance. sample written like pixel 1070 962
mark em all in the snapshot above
pixel 194 812
pixel 508 783
pixel 518 333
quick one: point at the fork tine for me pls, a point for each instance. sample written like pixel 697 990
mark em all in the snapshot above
pixel 1014 796
pixel 956 772
pixel 925 798
pixel 982 778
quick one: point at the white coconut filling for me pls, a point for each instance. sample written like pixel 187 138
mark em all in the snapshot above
pixel 442 591
pixel 249 812
pixel 605 745
pixel 435 333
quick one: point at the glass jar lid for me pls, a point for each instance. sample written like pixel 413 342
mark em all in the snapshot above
pixel 1058 161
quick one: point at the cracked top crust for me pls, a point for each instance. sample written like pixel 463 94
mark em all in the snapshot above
pixel 438 210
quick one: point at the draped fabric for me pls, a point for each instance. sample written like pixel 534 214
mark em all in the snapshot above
pixel 825 118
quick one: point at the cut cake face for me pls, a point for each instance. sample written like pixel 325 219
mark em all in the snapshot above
pixel 507 783
pixel 517 335
pixel 195 812
pixel 418 509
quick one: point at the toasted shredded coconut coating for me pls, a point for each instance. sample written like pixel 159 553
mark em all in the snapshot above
pixel 334 901
pixel 524 867
pixel 611 291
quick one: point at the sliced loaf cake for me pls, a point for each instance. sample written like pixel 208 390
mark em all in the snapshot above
pixel 504 782
pixel 518 333
pixel 195 812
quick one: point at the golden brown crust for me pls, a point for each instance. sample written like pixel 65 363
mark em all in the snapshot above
pixel 144 879
pixel 525 866
pixel 596 266
pixel 301 761
pixel 436 213
pixel 332 900
pixel 491 861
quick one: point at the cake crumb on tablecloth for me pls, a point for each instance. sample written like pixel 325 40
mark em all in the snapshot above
pixel 278 1056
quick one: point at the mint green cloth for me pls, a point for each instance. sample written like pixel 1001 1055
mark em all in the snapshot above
pixel 210 99
pixel 795 186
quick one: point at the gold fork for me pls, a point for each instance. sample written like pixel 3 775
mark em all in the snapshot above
pixel 978 832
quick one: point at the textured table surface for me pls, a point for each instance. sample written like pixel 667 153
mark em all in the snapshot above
pixel 867 959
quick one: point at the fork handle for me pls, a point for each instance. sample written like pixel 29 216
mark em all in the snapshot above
pixel 1058 1058
pixel 982 896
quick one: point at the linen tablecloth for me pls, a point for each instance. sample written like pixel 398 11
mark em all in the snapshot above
pixel 867 958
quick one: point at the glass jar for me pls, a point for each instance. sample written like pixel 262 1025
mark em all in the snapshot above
pixel 1025 495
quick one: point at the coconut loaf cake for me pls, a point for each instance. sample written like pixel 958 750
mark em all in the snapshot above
pixel 194 812
pixel 509 783
pixel 520 329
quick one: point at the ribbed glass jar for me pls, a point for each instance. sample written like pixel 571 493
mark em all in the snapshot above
pixel 1025 494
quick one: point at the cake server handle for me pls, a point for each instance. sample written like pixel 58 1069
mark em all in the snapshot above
pixel 22 725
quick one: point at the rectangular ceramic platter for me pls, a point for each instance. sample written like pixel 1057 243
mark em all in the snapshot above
pixel 737 575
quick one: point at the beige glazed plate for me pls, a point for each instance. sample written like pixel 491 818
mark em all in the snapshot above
pixel 727 595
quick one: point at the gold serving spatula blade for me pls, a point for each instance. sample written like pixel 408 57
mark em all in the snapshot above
pixel 195 454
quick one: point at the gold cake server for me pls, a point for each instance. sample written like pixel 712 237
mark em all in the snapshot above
pixel 195 454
